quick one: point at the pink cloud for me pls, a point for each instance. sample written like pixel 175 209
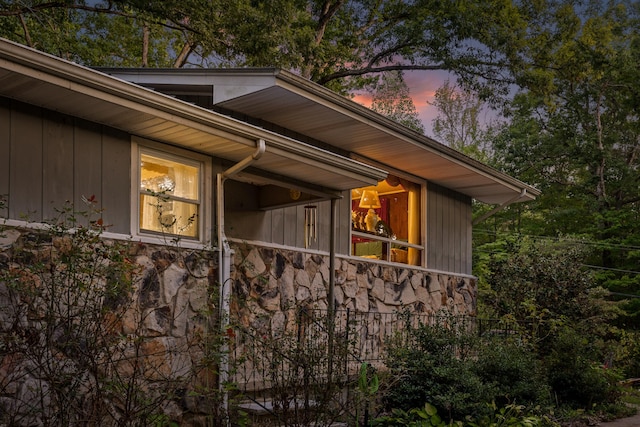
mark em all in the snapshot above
pixel 422 87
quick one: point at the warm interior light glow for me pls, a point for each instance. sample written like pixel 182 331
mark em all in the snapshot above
pixel 370 200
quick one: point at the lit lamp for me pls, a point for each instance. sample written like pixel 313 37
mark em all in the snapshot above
pixel 370 200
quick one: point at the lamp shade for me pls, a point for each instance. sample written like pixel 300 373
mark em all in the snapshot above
pixel 370 200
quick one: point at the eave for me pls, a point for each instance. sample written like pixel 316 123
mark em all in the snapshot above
pixel 281 98
pixel 372 138
pixel 39 79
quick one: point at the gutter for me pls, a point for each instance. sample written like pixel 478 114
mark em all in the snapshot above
pixel 522 195
pixel 224 261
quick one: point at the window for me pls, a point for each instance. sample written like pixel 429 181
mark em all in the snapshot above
pixel 169 194
pixel 385 221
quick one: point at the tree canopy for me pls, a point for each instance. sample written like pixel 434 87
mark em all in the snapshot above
pixel 575 133
pixel 337 43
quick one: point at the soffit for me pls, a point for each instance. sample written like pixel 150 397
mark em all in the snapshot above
pixel 42 80
pixel 300 106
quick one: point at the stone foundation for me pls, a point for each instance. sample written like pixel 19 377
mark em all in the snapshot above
pixel 273 281
pixel 154 339
pixel 103 357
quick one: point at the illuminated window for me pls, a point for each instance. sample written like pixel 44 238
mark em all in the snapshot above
pixel 385 221
pixel 170 194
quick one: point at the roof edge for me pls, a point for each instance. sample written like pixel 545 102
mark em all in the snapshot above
pixel 292 80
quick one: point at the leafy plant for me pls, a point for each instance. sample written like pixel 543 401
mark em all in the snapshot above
pixel 368 386
pixel 511 415
pixel 434 363
pixel 426 416
pixel 575 378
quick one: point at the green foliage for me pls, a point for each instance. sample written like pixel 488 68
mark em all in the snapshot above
pixel 575 378
pixel 509 415
pixel 461 122
pixel 338 44
pixel 512 372
pixel 543 283
pixel 458 372
pixel 392 99
pixel 573 133
pixel 425 369
pixel 368 384
pixel 426 416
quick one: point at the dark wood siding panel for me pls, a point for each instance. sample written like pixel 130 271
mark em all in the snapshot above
pixel 57 166
pixel 458 214
pixel 25 179
pixel 343 234
pixel 87 180
pixel 47 159
pixel 298 225
pixel 116 181
pixel 435 226
pixel 278 226
pixel 5 149
pixel 467 221
pixel 448 230
pixel 283 226
pixel 247 225
pixel 242 219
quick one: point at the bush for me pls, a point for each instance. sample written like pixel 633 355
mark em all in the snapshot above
pixel 575 378
pixel 512 372
pixel 460 374
pixel 435 365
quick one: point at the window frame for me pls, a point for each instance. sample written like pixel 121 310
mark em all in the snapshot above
pixel 389 242
pixel 142 146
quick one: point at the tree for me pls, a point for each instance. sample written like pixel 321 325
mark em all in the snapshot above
pixel 575 133
pixel 337 43
pixel 391 98
pixel 462 122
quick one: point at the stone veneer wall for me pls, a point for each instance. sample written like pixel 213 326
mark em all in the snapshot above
pixel 160 332
pixel 274 281
pixel 270 285
pixel 172 306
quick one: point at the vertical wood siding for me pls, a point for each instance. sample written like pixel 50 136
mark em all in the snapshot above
pixel 448 230
pixel 282 226
pixel 47 158
pixel 5 150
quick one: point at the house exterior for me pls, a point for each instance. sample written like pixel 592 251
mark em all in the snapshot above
pixel 304 198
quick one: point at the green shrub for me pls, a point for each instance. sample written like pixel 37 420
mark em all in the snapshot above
pixel 460 373
pixel 512 373
pixel 511 415
pixel 575 378
pixel 435 365
pixel 425 416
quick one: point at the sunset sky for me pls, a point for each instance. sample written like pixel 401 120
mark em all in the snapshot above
pixel 422 85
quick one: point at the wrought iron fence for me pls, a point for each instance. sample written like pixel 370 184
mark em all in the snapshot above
pixel 313 355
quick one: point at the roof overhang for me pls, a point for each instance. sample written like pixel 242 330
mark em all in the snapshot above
pixel 370 137
pixel 290 102
pixel 49 82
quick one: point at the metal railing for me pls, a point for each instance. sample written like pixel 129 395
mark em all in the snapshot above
pixel 315 352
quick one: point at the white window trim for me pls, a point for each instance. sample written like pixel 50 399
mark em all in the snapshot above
pixel 139 145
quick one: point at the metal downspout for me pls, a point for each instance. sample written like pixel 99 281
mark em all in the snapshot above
pixel 224 261
pixel 331 303
pixel 499 208
pixel 332 257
